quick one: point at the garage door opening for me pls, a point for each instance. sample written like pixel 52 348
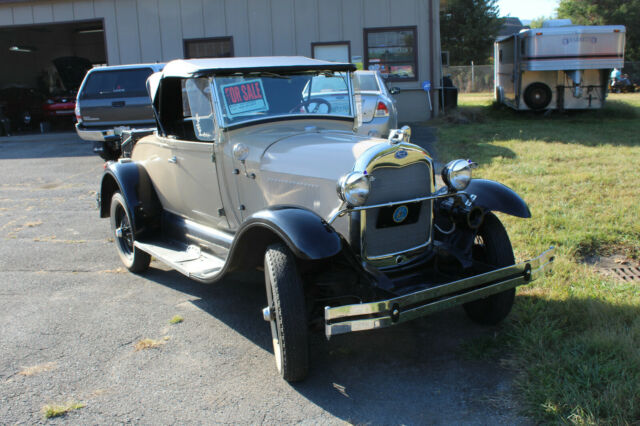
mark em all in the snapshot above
pixel 43 66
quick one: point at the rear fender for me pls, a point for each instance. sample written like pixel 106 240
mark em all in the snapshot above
pixel 494 196
pixel 133 182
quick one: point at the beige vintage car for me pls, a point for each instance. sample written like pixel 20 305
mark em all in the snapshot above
pixel 250 167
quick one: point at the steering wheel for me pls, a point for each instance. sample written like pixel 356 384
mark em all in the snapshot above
pixel 309 106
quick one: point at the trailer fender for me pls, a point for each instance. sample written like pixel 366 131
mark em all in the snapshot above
pixel 494 196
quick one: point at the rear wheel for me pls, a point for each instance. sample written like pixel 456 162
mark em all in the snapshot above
pixel 492 246
pixel 286 313
pixel 133 258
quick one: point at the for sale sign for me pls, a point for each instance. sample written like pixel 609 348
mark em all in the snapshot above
pixel 245 97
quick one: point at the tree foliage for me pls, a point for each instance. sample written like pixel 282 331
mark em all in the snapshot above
pixel 537 22
pixel 468 29
pixel 607 12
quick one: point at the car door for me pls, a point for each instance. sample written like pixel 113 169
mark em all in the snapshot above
pixel 193 151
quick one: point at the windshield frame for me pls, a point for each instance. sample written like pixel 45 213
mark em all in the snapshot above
pixel 298 116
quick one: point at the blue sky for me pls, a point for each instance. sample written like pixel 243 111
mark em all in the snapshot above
pixel 527 9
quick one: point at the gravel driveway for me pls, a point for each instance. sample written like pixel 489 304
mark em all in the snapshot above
pixel 70 319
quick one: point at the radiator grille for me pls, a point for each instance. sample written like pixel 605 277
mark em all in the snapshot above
pixel 393 184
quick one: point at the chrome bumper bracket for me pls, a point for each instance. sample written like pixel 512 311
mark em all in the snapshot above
pixel 384 313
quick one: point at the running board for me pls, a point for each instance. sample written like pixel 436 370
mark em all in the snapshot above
pixel 186 259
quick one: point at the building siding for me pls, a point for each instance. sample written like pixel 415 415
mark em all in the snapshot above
pixel 154 30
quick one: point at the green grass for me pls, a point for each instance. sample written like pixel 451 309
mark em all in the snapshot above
pixel 53 410
pixel 573 337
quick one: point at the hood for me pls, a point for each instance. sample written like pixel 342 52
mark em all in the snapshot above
pixel 316 155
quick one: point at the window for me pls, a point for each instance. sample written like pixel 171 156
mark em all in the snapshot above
pixel 393 52
pixel 126 83
pixel 366 82
pixel 334 51
pixel 214 47
pixel 196 101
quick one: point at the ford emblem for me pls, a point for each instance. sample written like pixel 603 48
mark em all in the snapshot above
pixel 401 154
pixel 400 214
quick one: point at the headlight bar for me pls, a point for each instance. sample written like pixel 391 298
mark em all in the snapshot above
pixel 344 209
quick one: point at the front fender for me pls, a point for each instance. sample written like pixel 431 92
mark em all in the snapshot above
pixel 494 196
pixel 133 182
pixel 306 234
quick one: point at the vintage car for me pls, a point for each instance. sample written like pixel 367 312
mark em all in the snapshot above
pixel 242 173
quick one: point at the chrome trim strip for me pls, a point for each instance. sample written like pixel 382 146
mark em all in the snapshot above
pixel 342 211
pixel 337 320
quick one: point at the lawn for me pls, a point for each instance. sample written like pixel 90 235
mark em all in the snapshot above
pixel 574 337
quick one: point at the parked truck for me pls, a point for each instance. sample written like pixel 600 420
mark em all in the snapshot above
pixel 559 66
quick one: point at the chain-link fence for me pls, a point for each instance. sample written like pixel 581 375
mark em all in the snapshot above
pixel 479 78
pixel 471 78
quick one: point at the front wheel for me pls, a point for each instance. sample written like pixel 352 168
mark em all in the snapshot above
pixel 133 258
pixel 286 312
pixel 492 246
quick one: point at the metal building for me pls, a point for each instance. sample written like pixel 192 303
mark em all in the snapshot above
pixel 401 38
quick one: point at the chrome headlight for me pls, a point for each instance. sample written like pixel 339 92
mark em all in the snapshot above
pixel 354 188
pixel 457 174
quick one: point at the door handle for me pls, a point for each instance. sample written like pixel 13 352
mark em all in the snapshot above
pixel 173 160
pixel 117 104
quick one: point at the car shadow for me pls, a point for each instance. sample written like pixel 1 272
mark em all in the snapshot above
pixel 410 373
pixel 47 145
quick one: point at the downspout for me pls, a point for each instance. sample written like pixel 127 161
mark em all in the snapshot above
pixel 431 49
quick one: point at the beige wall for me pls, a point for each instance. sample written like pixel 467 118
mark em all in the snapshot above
pixel 153 30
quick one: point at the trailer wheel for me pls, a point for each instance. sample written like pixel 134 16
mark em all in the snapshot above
pixel 537 96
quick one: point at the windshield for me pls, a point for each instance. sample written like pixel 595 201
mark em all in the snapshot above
pixel 256 96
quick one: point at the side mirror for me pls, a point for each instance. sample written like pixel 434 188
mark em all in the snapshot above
pixel 394 90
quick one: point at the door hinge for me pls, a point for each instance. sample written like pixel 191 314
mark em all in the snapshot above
pixel 213 156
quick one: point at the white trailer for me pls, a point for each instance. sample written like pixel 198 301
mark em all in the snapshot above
pixel 559 66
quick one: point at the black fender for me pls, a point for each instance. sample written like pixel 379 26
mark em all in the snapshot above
pixel 306 234
pixel 133 182
pixel 494 196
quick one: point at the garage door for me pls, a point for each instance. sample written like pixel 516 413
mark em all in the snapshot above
pixel 42 67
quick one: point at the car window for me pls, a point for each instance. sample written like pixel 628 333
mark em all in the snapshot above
pixel 197 107
pixel 256 96
pixel 116 84
pixel 367 83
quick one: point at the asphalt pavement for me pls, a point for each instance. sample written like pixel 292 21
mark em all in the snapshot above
pixel 71 316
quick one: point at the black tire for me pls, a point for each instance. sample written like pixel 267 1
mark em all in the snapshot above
pixel 492 246
pixel 537 96
pixel 133 258
pixel 289 328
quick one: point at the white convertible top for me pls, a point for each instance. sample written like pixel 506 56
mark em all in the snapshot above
pixel 190 67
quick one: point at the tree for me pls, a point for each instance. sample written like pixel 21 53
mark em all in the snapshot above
pixel 537 22
pixel 607 12
pixel 468 29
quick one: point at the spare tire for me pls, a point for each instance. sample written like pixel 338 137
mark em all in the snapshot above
pixel 537 96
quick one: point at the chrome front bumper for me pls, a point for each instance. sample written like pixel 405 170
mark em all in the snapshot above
pixel 384 313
